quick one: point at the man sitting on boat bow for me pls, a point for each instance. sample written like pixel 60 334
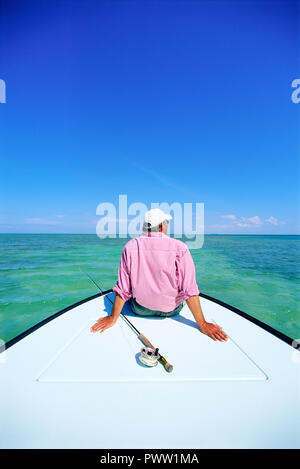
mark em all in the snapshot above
pixel 157 275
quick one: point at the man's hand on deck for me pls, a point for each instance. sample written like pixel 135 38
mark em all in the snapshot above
pixel 102 324
pixel 214 331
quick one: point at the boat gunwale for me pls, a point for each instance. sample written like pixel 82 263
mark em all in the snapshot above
pixel 247 316
pixel 32 329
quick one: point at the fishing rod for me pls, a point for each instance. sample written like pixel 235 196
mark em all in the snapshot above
pixel 168 367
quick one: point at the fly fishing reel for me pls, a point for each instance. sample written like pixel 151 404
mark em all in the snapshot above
pixel 149 356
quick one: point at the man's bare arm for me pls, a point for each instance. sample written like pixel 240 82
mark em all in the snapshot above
pixel 109 321
pixel 212 330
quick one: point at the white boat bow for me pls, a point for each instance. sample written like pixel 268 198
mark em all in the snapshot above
pixel 64 387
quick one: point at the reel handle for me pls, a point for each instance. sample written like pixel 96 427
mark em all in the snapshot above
pixel 167 366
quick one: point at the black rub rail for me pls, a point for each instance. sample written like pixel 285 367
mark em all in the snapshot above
pixel 259 323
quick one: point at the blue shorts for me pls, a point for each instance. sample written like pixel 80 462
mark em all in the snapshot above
pixel 142 311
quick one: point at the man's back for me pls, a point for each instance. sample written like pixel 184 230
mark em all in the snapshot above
pixel 159 273
pixel 156 270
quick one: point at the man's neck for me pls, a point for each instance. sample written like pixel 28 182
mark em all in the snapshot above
pixel 154 234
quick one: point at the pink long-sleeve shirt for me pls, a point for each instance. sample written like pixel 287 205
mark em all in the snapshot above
pixel 156 270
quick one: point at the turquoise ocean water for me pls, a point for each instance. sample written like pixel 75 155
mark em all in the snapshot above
pixel 40 274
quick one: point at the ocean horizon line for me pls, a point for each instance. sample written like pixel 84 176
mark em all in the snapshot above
pixel 172 234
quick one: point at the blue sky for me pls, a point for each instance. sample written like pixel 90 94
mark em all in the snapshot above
pixel 165 101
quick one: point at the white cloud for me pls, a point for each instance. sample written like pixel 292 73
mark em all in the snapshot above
pixel 249 222
pixel 255 220
pixel 242 224
pixel 244 221
pixel 60 216
pixel 272 220
pixel 231 217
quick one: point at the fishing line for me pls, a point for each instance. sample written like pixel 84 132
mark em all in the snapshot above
pixel 148 355
pixel 124 317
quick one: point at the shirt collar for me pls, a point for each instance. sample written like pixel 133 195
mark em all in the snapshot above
pixel 154 234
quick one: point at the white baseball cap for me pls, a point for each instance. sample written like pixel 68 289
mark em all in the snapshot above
pixel 155 216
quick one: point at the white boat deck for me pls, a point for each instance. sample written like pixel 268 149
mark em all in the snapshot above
pixel 64 387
